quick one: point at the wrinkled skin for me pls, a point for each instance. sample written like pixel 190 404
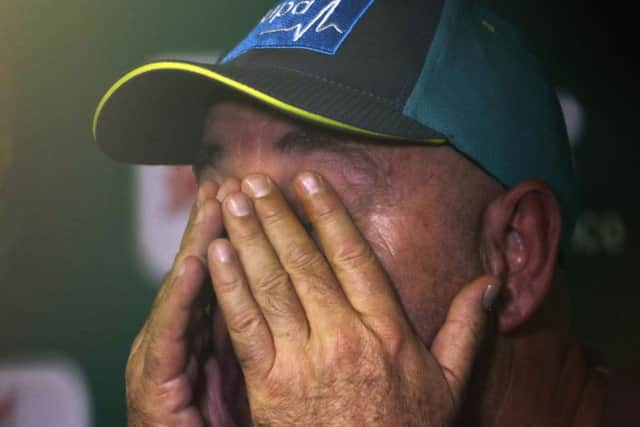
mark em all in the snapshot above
pixel 417 206
pixel 370 345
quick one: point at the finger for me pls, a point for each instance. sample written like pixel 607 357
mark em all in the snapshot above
pixel 314 282
pixel 247 327
pixel 166 332
pixel 207 190
pixel 362 277
pixel 168 324
pixel 267 278
pixel 205 223
pixel 229 185
pixel 456 344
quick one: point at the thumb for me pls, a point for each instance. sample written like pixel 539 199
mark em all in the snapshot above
pixel 459 339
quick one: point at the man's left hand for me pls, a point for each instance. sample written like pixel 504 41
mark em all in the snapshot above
pixel 320 334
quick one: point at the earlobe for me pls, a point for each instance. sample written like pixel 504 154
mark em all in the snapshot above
pixel 521 234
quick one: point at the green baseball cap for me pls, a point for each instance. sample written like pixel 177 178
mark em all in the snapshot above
pixel 429 71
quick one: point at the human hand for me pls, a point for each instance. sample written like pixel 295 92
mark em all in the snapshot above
pixel 170 371
pixel 319 332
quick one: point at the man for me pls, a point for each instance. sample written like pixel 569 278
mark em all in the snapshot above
pixel 385 190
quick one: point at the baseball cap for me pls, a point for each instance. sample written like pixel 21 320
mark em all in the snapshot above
pixel 427 71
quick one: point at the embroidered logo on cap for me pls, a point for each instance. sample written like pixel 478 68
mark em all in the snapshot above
pixel 318 25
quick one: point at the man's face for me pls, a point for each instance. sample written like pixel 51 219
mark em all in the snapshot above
pixel 418 206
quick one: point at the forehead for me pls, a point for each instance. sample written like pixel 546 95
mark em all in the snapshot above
pixel 242 138
pixel 229 120
pixel 240 129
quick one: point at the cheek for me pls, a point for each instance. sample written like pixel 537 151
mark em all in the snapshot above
pixel 415 246
pixel 415 254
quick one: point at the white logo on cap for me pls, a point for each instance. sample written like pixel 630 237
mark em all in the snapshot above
pixel 301 8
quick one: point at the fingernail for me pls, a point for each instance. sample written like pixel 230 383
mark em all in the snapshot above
pixel 256 186
pixel 310 182
pixel 490 297
pixel 239 205
pixel 222 252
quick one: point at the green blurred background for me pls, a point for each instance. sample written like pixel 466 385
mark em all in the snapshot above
pixel 69 280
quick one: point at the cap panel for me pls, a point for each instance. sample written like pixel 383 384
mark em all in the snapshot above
pixel 383 54
pixel 488 95
pixel 329 98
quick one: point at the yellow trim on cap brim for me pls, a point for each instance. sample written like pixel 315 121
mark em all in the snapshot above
pixel 261 96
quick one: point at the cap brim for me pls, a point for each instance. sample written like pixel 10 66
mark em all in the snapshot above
pixel 155 114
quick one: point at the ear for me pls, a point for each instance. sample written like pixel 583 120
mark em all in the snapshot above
pixel 520 238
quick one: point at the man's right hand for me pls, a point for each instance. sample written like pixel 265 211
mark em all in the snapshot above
pixel 170 368
pixel 172 377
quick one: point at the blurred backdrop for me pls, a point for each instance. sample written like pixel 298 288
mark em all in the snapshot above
pixel 80 255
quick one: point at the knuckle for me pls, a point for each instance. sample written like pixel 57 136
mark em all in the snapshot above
pixel 270 215
pixel 323 289
pixel 272 281
pixel 227 286
pixel 302 257
pixel 151 331
pixel 275 305
pixel 272 290
pixel 344 348
pixel 187 256
pixel 244 323
pixel 326 208
pixel 392 337
pixel 252 360
pixel 353 255
pixel 247 233
pixel 175 394
pixel 153 359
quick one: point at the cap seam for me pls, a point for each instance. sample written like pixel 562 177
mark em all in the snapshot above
pixel 378 98
pixel 405 92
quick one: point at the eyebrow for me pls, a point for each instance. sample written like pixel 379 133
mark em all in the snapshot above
pixel 309 140
pixel 299 141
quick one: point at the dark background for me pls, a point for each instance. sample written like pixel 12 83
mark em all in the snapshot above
pixel 69 283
